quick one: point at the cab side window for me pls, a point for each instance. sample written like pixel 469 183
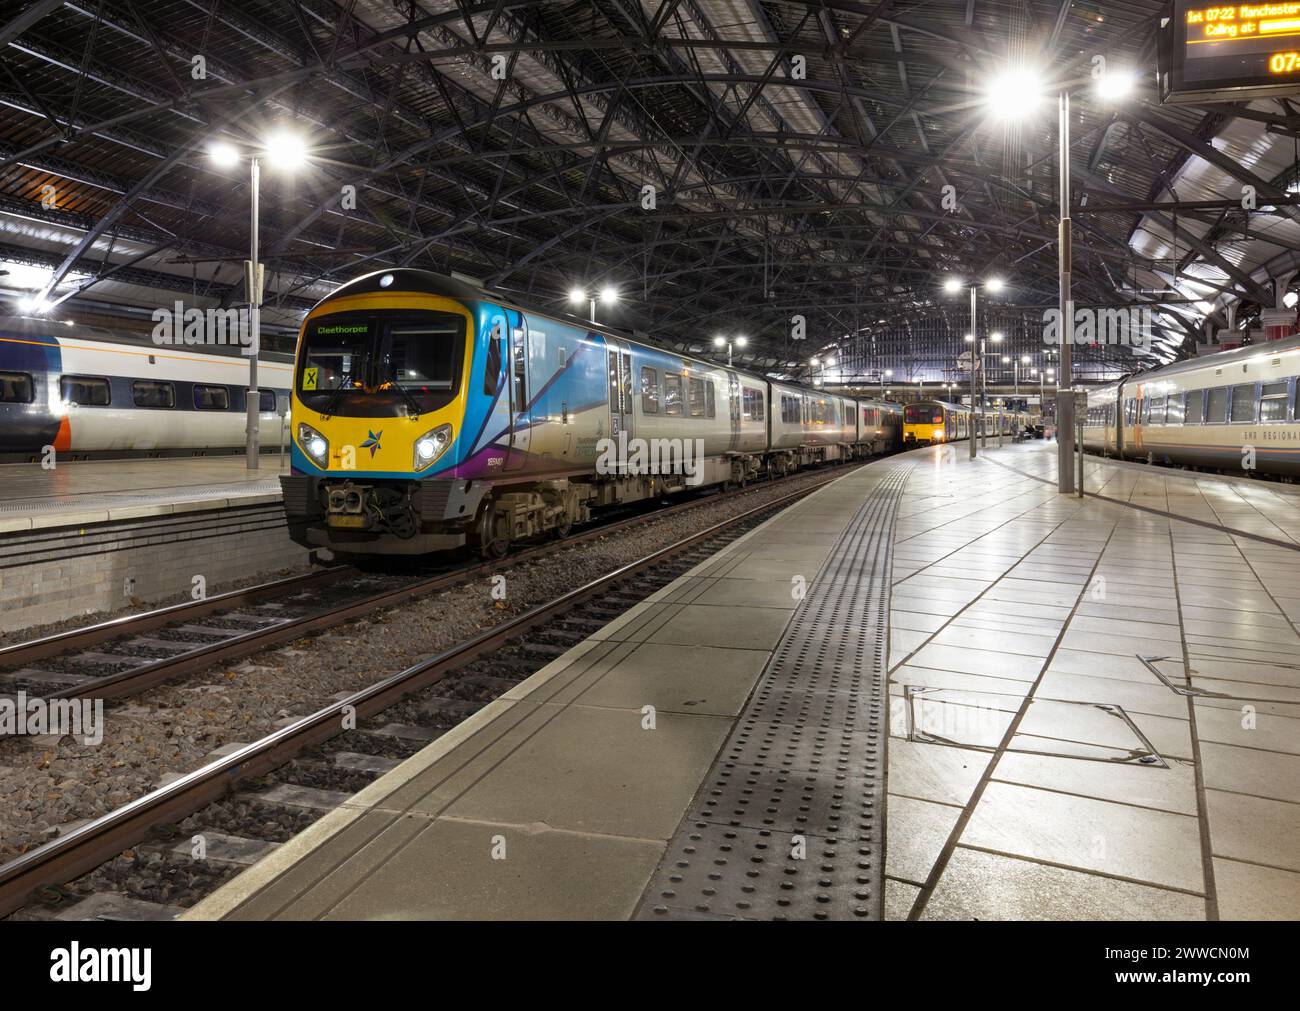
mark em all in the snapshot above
pixel 492 364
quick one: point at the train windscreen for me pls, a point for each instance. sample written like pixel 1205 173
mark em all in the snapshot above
pixel 378 364
pixel 923 414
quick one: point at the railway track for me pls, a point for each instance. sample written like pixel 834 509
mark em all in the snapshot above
pixel 118 658
pixel 393 718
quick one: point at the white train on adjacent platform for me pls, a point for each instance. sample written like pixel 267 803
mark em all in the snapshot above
pixel 1222 411
pixel 91 392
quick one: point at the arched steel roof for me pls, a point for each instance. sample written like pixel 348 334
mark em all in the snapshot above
pixel 798 154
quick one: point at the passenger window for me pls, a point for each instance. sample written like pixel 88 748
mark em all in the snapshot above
pixel 84 391
pixel 710 404
pixel 1195 408
pixel 758 405
pixel 492 364
pixel 16 388
pixel 672 394
pixel 1218 410
pixel 695 390
pixel 1156 411
pixel 649 390
pixel 1272 402
pixel 625 399
pixel 265 401
pixel 1243 403
pixel 211 398
pixel 1176 409
pixel 148 393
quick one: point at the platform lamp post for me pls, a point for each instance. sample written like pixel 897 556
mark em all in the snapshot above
pixel 993 285
pixel 996 338
pixel 285 151
pixel 821 363
pixel 1013 96
pixel 608 295
pixel 728 343
pixel 883 376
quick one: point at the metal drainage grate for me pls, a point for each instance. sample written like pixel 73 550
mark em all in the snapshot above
pixel 789 823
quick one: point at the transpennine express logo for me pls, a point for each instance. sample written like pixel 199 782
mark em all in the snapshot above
pixel 372 443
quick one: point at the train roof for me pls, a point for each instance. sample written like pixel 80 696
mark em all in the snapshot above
pixel 432 283
pixel 941 403
pixel 1220 359
pixel 40 326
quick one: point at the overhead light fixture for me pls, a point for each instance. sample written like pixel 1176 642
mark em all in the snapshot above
pixel 223 155
pixel 994 284
pixel 952 285
pixel 1115 85
pixel 577 295
pixel 1014 94
pixel 741 341
pixel 609 295
pixel 286 150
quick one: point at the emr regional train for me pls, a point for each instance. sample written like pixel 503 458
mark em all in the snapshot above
pixel 1205 412
pixel 91 392
pixel 429 414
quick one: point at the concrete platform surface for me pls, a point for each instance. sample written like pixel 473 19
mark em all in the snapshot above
pixel 1094 714
pixel 96 491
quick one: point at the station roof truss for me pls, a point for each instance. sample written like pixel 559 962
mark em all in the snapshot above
pixel 799 155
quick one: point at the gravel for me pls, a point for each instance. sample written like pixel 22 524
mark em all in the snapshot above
pixel 46 784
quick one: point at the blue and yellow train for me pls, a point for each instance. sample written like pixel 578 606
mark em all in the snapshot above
pixel 429 414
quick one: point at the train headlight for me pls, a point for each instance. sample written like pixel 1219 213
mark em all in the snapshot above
pixel 938 435
pixel 431 445
pixel 313 444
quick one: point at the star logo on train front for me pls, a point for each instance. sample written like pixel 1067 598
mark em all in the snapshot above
pixel 372 443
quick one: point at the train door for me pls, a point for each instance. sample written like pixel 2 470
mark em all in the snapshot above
pixel 520 427
pixel 619 367
pixel 733 397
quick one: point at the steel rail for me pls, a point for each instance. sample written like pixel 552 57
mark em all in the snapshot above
pixel 97 841
pixel 148 675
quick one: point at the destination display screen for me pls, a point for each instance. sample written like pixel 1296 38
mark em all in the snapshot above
pixel 1231 51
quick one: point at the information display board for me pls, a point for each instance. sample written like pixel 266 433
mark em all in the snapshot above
pixel 1230 51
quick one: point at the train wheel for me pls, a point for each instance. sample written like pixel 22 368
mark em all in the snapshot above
pixel 487 542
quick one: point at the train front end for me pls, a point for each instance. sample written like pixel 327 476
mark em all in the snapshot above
pixel 381 416
pixel 923 424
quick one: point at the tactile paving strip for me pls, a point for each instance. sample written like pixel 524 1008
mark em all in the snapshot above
pixel 789 823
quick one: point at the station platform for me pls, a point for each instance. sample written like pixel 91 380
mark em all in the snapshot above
pixel 934 689
pixel 98 491
pixel 89 537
